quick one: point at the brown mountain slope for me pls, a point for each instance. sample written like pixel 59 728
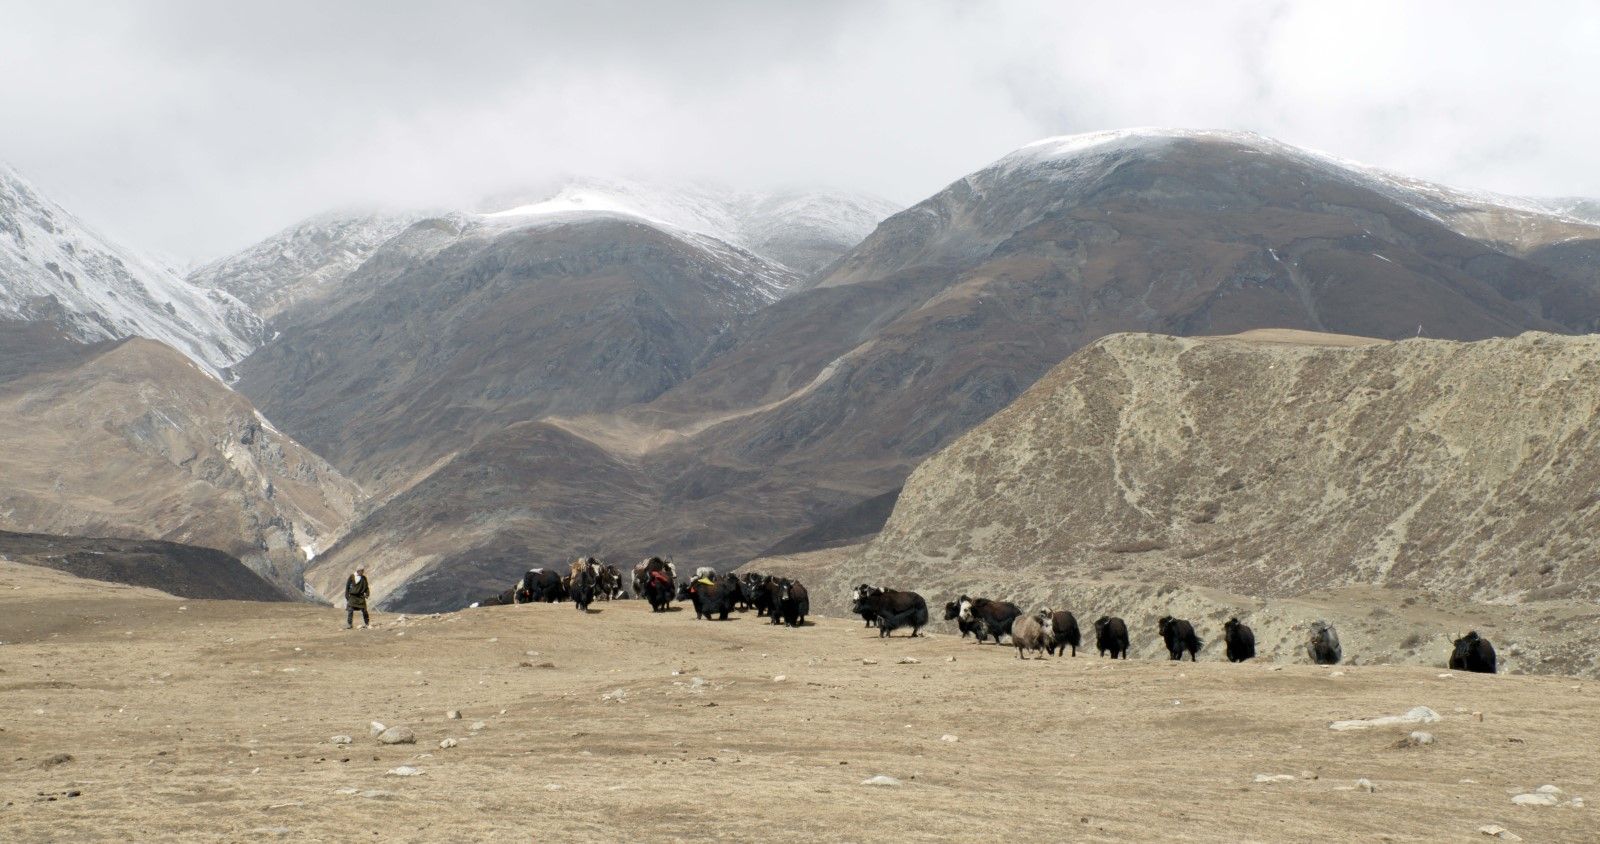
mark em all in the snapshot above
pixel 415 357
pixel 131 439
pixel 496 508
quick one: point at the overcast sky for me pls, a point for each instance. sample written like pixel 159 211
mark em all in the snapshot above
pixel 194 128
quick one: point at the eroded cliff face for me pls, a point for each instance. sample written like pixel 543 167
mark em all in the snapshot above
pixel 1275 463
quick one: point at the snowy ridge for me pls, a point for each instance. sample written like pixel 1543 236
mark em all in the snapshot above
pixel 1059 158
pixel 54 268
pixel 783 226
pixel 297 261
pixel 1581 208
pixel 774 238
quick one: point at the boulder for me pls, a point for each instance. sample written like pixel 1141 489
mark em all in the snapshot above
pixel 397 735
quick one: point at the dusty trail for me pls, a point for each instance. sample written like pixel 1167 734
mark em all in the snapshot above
pixel 211 720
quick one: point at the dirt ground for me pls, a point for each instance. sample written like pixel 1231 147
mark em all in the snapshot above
pixel 211 720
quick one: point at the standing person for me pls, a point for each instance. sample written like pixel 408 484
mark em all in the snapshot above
pixel 356 590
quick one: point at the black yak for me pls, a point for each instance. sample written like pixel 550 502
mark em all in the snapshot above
pixel 582 582
pixel 641 573
pixel 713 596
pixel 891 609
pixel 758 594
pixel 657 589
pixel 539 585
pixel 1111 634
pixel 1179 636
pixel 1240 639
pixel 793 603
pixel 1473 653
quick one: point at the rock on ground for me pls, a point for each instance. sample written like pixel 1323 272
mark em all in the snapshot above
pixel 397 735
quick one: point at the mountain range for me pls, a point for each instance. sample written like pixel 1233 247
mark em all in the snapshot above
pixel 614 368
pixel 827 398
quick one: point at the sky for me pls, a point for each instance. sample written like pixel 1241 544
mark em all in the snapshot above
pixel 193 128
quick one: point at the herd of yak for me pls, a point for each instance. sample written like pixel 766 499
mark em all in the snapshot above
pixel 655 580
pixel 785 601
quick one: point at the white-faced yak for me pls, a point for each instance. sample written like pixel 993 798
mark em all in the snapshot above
pixel 995 616
pixel 952 612
pixel 1065 629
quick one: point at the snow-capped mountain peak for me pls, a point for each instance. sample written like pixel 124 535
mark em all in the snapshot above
pixel 802 229
pixel 1057 158
pixel 55 268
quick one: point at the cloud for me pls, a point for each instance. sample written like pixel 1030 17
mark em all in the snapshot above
pixel 192 128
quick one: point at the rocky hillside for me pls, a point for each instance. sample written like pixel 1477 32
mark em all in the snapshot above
pixel 1214 474
pixel 130 439
pixel 54 269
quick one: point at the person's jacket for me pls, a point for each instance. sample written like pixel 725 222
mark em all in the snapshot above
pixel 356 591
